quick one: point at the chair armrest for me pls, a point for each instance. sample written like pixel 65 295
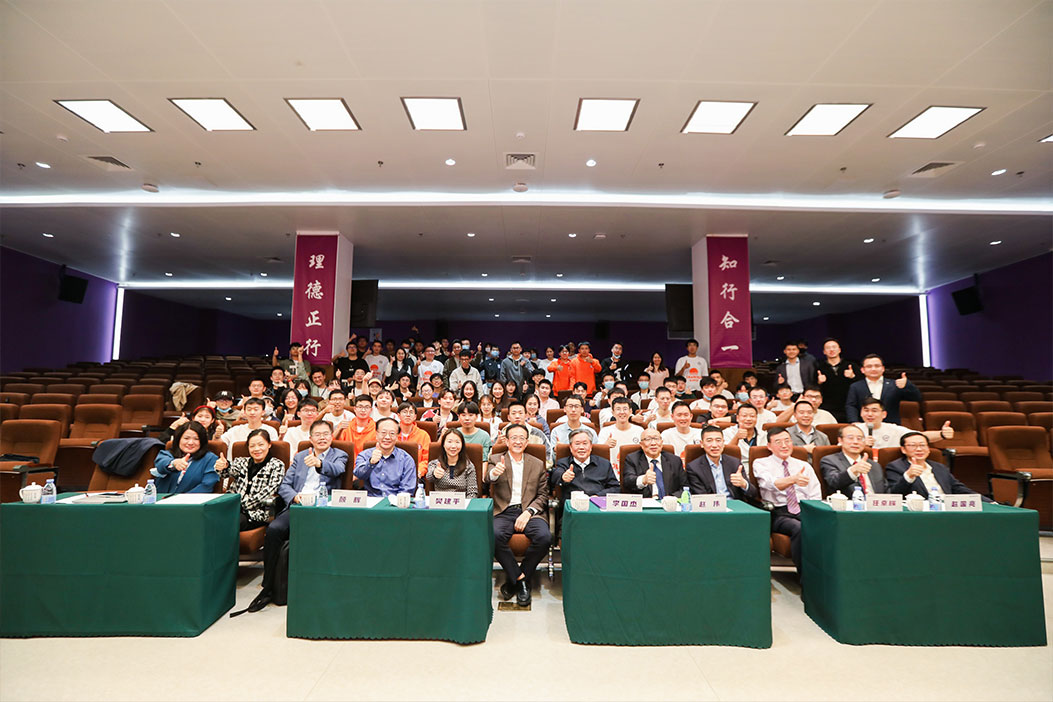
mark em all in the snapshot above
pixel 19 457
pixel 1023 484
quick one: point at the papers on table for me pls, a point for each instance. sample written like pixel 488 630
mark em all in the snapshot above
pixel 189 498
pixel 651 503
pixel 96 498
pixel 374 501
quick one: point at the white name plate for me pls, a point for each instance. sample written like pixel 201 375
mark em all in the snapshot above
pixel 884 503
pixel 447 500
pixel 624 503
pixel 709 503
pixel 348 498
pixel 962 503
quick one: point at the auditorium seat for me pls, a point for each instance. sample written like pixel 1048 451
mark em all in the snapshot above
pixel 553 415
pixel 932 396
pixel 1041 419
pixel 34 388
pixel 147 389
pixel 986 420
pixel 99 399
pixel 1016 396
pixel 8 410
pixel 53 398
pixel 37 438
pixel 831 431
pixel 976 407
pixel 14 398
pixel 1032 406
pixel 910 415
pixel 75 389
pixel 967 460
pixel 101 480
pixel 431 428
pixel 141 410
pixel 91 424
pixel 1023 470
pixel 62 414
pixel 975 396
pixel 108 389
pixel 944 406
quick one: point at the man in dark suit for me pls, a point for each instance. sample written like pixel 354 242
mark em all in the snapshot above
pixel 874 384
pixel 796 371
pixel 583 471
pixel 915 473
pixel 519 488
pixel 849 467
pixel 714 473
pixel 652 472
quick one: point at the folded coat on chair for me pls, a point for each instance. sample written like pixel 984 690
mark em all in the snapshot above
pixel 121 456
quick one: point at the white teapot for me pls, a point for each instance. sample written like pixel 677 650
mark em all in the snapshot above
pixel 134 495
pixel 838 502
pixel 30 494
pixel 915 502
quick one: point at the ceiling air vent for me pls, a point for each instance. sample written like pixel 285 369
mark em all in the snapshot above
pixel 522 259
pixel 108 163
pixel 935 169
pixel 520 162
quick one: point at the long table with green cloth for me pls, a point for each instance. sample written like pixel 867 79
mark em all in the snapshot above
pixel 117 569
pixel 389 573
pixel 923 578
pixel 656 578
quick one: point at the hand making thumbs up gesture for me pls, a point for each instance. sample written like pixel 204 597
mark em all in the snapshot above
pixel 738 479
pixel 901 382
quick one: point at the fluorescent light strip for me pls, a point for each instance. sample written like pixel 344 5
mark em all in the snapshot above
pixel 736 201
pixel 213 114
pixel 435 114
pixel 211 284
pixel 717 117
pixel 869 289
pixel 118 323
pixel 826 119
pixel 934 122
pixel 323 114
pixel 923 315
pixel 105 115
pixel 605 114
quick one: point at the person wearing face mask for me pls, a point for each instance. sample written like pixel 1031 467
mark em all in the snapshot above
pixel 255 477
pixel 188 466
pixel 491 368
pixel 643 397
pixel 225 411
pixel 607 381
pixel 517 367
pixel 616 363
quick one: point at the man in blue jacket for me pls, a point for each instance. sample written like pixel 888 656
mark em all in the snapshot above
pixel 319 465
pixel 874 384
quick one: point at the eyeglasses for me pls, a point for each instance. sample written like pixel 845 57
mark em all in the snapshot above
pixel 388 434
pixel 916 446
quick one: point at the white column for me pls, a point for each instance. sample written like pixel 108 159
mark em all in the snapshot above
pixel 700 296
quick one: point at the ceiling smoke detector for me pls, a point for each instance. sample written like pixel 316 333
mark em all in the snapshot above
pixel 520 187
pixel 150 188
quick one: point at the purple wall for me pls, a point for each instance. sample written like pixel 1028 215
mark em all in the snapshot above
pixel 892 330
pixel 156 327
pixel 38 329
pixel 1013 335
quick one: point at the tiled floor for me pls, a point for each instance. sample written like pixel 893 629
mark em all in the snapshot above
pixel 527 656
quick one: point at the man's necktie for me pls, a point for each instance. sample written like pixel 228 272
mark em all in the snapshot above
pixel 659 483
pixel 792 504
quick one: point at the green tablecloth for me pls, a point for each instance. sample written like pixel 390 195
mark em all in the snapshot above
pixel 116 570
pixel 658 578
pixel 922 579
pixel 387 573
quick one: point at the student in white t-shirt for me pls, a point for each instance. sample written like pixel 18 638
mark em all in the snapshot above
pixel 544 393
pixel 663 412
pixel 622 432
pixel 682 434
pixel 376 360
pixel 337 413
pixel 709 391
pixel 692 366
pixel 428 367
pixel 881 434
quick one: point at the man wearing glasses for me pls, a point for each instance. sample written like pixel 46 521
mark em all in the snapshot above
pixel 652 472
pixel 914 472
pixel 322 464
pixel 386 469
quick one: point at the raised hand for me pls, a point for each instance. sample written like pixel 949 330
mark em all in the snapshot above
pixel 780 380
pixel 439 473
pixel 901 382
pixel 820 377
pixel 568 475
pixel 801 479
pixel 650 477
pixel 947 431
pixel 498 470
pixel 738 479
pixel 849 373
pixel 375 458
pixel 221 463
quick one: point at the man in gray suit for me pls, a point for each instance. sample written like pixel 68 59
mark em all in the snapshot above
pixel 849 467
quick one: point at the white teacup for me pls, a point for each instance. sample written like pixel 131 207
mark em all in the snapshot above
pixel 308 499
pixel 31 493
pixel 580 504
pixel 915 502
pixel 670 503
pixel 838 502
pixel 403 500
pixel 579 495
pixel 134 495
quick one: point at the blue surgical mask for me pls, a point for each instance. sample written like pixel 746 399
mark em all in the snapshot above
pixel 533 357
pixel 302 392
pixel 743 396
pixel 495 354
pixel 608 385
pixel 644 384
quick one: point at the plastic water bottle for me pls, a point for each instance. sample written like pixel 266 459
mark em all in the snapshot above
pixel 419 501
pixel 323 496
pixel 150 492
pixel 935 499
pixel 47 497
pixel 685 501
pixel 859 502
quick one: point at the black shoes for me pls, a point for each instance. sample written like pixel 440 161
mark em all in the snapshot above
pixel 262 600
pixel 523 596
pixel 508 589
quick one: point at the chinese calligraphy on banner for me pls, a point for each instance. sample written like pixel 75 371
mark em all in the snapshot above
pixel 314 296
pixel 730 320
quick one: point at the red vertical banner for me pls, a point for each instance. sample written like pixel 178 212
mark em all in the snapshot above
pixel 314 293
pixel 730 320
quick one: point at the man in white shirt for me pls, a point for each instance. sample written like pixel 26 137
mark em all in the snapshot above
pixel 377 361
pixel 622 432
pixel 682 434
pixel 759 398
pixel 722 384
pixel 814 395
pixel 784 481
pixel 803 431
pixel 692 366
pixel 663 412
pixel 307 413
pixel 252 411
pixel 544 393
pixel 336 411
pixel 428 367
pixel 464 372
pixel 645 394
pixel 719 412
pixel 881 434
pixel 795 371
pixel 709 391
pixel 571 421
pixel 745 433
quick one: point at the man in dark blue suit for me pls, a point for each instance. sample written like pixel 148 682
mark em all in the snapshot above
pixel 915 473
pixel 713 473
pixel 319 465
pixel 796 371
pixel 583 471
pixel 874 384
pixel 652 472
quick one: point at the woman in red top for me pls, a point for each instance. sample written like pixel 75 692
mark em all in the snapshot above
pixel 562 371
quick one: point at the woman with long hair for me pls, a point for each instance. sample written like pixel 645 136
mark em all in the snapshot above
pixel 451 470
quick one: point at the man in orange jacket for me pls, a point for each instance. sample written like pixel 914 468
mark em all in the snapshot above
pixel 562 371
pixel 409 431
pixel 585 367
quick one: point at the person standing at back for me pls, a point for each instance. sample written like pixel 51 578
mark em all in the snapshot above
pixel 692 367
pixel 585 368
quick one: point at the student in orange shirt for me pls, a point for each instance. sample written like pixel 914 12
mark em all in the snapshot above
pixel 361 428
pixel 409 431
pixel 585 367
pixel 562 371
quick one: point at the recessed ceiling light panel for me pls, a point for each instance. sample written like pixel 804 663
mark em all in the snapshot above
pixel 934 122
pixel 213 114
pixel 324 114
pixel 605 114
pixel 435 114
pixel 826 119
pixel 717 117
pixel 104 115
